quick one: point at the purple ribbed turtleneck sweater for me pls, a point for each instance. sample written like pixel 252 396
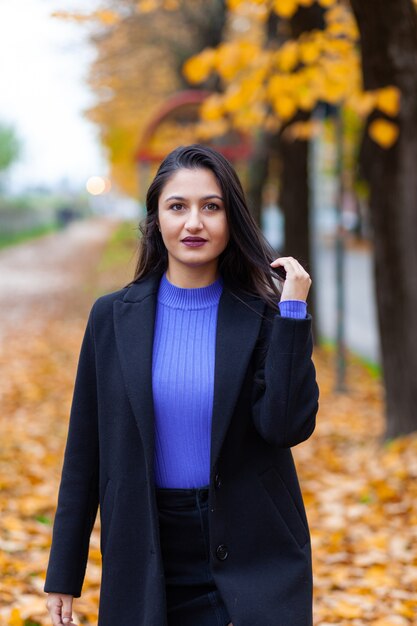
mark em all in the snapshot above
pixel 183 380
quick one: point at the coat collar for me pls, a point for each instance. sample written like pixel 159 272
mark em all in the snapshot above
pixel 238 324
pixel 143 288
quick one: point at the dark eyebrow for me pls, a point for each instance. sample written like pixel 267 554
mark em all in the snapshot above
pixel 203 198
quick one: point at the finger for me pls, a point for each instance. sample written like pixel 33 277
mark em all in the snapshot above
pixel 279 261
pixel 67 610
pixel 280 266
pixel 55 612
pixel 297 270
pixel 287 261
pixel 290 265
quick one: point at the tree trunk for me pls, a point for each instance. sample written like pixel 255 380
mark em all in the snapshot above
pixel 295 204
pixel 295 199
pixel 258 161
pixel 389 49
pixel 295 192
pixel 257 175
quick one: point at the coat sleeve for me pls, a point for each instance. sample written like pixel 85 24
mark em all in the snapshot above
pixel 78 491
pixel 285 395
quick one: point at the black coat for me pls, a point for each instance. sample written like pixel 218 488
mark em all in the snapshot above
pixel 265 401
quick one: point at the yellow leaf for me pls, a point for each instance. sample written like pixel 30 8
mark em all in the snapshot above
pixel 378 576
pixel 326 3
pixel 147 6
pixel 285 8
pixel 285 107
pixel 197 68
pixel 233 100
pixel 388 100
pixel 212 109
pixel 171 5
pixel 248 118
pixel 233 5
pixel 391 620
pixel 362 104
pixel 340 47
pixel 15 618
pixel 347 610
pixel 338 29
pixel 334 90
pixel 287 56
pixel 406 608
pixel 385 491
pixel 309 51
pixel 306 98
pixel 232 57
pixel 278 84
pixel 383 132
pixel 107 17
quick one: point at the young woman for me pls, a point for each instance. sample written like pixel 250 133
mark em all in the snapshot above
pixel 193 383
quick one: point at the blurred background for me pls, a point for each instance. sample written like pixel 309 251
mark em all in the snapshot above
pixel 315 104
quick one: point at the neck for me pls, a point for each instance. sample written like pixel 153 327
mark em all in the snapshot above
pixel 192 277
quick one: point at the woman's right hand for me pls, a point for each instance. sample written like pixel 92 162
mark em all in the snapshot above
pixel 59 606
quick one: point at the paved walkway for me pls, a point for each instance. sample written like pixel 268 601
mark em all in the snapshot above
pixel 361 316
pixel 37 276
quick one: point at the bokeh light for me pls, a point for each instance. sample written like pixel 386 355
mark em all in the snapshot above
pixel 96 185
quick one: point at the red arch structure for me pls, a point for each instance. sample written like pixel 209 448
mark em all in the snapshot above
pixel 234 150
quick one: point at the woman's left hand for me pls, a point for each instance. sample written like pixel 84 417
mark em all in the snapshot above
pixel 297 282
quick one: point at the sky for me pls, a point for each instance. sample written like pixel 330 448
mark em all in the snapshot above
pixel 44 63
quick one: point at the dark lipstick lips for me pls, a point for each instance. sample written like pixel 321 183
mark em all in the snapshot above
pixel 194 239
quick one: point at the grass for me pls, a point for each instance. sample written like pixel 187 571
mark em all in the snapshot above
pixel 11 239
pixel 374 369
pixel 120 248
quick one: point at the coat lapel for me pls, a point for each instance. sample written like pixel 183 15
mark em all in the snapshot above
pixel 134 321
pixel 238 325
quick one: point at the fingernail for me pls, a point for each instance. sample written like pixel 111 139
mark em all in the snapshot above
pixel 66 620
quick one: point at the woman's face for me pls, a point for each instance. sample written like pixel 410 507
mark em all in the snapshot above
pixel 192 219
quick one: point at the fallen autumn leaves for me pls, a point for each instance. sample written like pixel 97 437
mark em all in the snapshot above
pixel 361 501
pixel 360 494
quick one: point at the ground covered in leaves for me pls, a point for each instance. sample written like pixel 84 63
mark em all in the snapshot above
pixel 360 493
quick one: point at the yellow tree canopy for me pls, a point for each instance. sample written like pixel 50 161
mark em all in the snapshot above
pixel 141 46
pixel 265 86
pixel 132 75
pixel 134 72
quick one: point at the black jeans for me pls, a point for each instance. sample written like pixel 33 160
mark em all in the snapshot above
pixel 192 596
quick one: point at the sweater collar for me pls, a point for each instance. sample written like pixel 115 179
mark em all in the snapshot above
pixel 189 298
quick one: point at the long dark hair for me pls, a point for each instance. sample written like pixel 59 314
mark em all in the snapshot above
pixel 245 262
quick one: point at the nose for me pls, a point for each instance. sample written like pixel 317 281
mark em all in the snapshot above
pixel 193 222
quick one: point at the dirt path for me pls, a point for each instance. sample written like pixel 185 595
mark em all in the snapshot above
pixel 38 278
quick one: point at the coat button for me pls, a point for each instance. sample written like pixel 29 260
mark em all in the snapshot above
pixel 222 552
pixel 217 481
